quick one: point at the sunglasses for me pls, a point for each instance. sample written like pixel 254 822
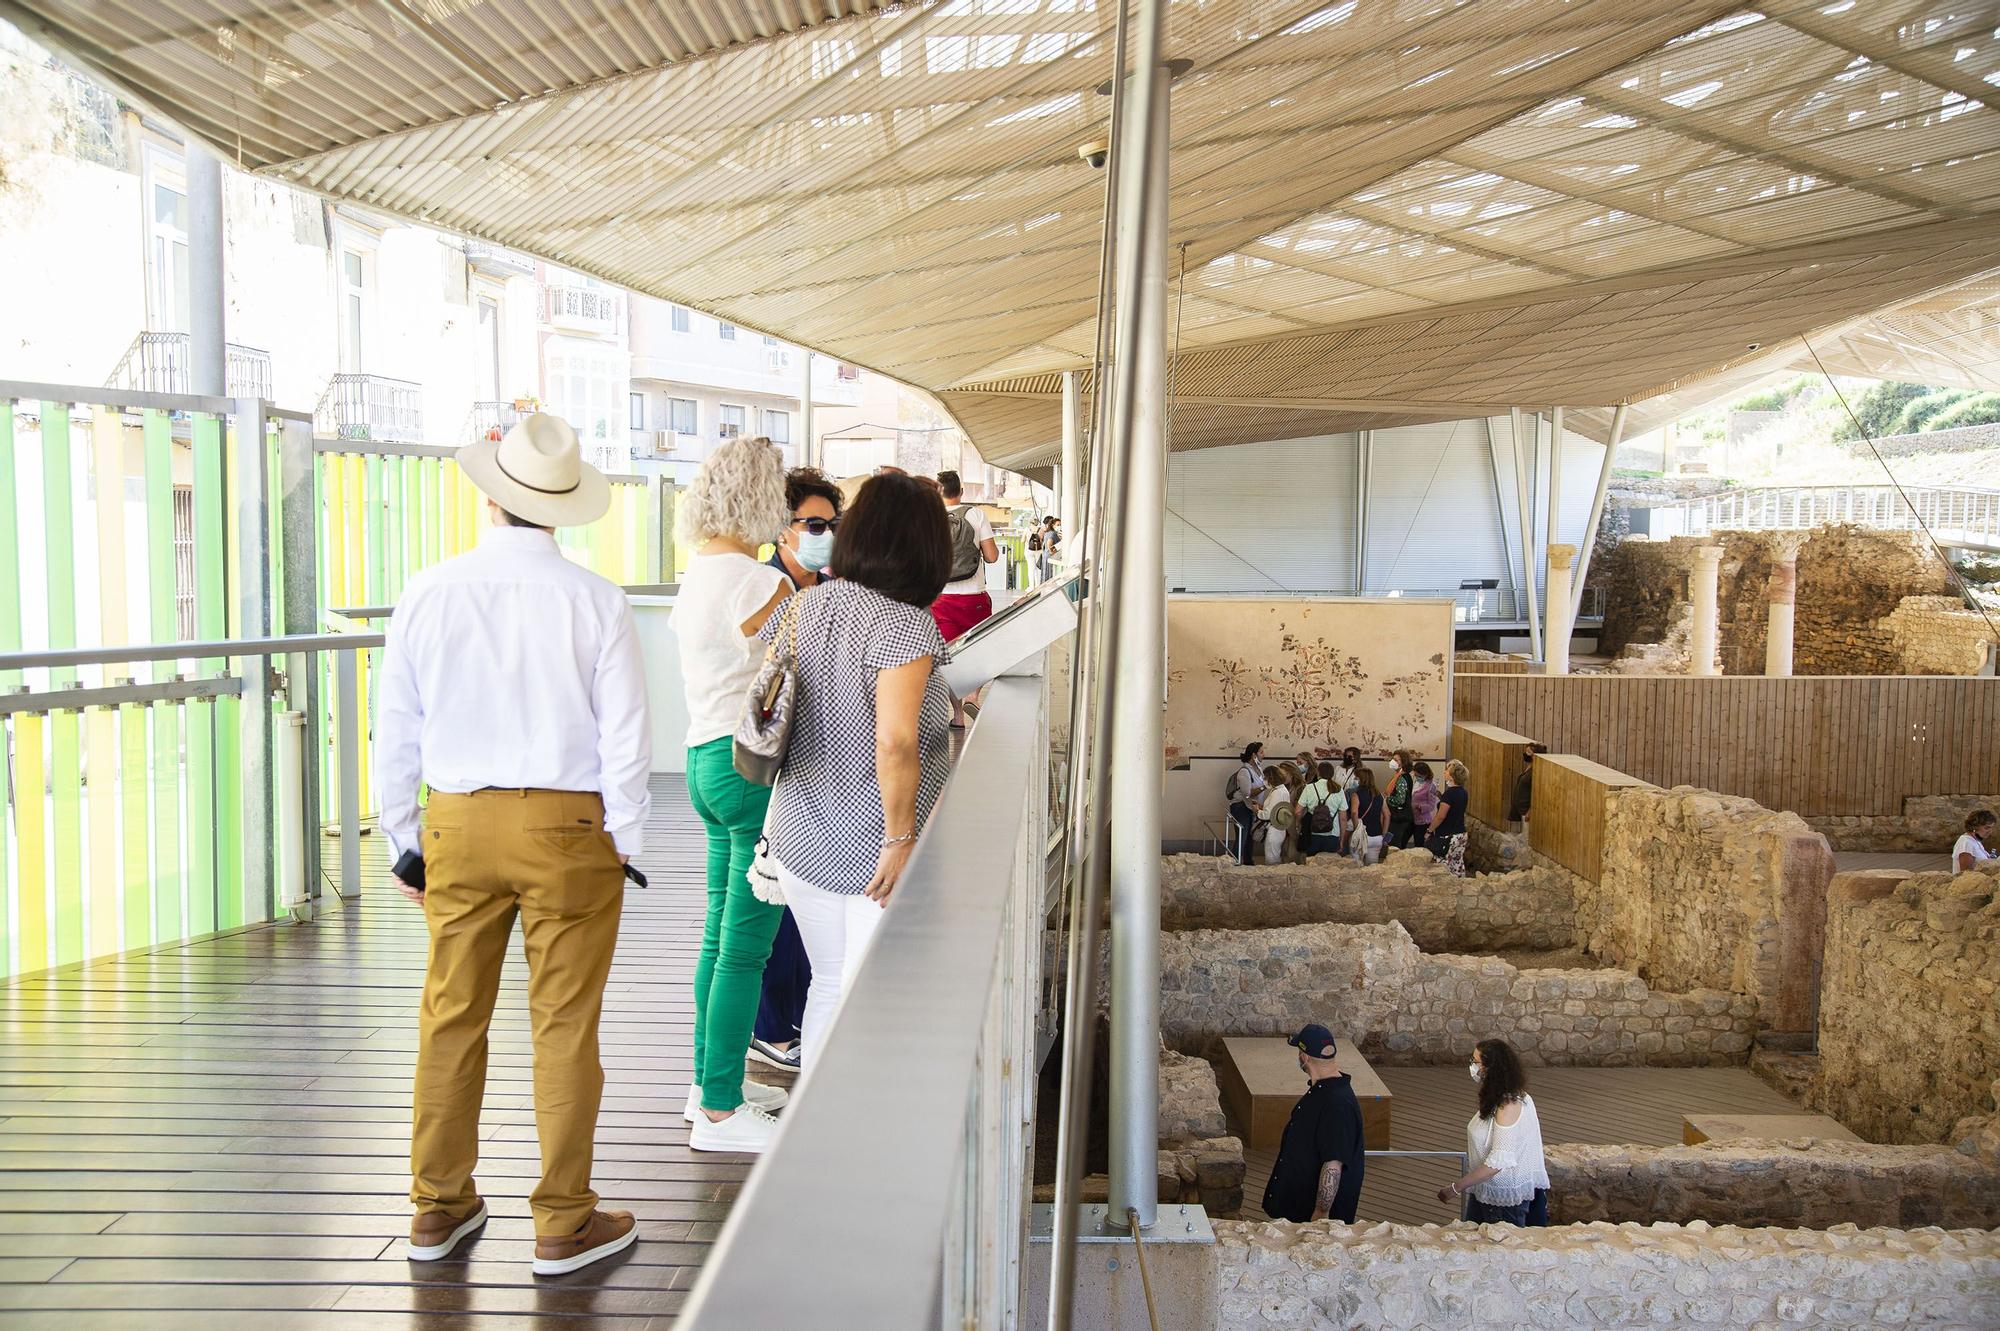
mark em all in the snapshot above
pixel 817 526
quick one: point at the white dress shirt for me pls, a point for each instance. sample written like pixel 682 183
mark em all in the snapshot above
pixel 510 666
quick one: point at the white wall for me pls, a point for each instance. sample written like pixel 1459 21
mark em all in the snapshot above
pixel 1280 516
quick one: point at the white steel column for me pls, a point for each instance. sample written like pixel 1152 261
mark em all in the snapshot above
pixel 1364 462
pixel 1589 543
pixel 1702 635
pixel 808 446
pixel 1524 461
pixel 1067 505
pixel 208 364
pixel 1556 658
pixel 1784 607
pixel 1138 711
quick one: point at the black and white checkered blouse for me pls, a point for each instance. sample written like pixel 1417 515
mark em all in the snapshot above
pixel 826 815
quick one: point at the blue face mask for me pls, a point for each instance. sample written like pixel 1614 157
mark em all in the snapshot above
pixel 815 551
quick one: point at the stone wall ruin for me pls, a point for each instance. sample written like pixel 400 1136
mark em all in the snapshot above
pixel 1402 1005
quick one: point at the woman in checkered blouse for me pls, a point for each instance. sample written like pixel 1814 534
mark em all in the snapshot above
pixel 871 742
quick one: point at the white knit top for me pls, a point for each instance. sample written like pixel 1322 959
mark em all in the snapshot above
pixel 1515 1149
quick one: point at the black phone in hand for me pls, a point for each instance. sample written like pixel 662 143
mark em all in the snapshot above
pixel 410 869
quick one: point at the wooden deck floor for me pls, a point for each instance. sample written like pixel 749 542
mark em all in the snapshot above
pixel 1600 1105
pixel 215 1135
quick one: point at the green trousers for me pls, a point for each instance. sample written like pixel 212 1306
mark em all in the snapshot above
pixel 737 931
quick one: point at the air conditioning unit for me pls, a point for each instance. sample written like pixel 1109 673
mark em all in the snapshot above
pixel 663 442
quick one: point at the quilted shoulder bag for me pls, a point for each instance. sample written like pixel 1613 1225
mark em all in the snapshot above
pixel 765 731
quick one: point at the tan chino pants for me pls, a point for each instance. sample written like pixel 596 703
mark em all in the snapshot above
pixel 489 856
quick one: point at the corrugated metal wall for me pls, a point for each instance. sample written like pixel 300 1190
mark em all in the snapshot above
pixel 1264 517
pixel 1280 516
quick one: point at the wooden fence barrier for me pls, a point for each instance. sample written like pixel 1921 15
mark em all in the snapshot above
pixel 1817 745
pixel 1569 817
pixel 1492 759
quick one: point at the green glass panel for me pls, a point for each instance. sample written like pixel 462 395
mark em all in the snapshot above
pixel 229 813
pixel 202 830
pixel 167 882
pixel 413 521
pixel 66 790
pixel 8 965
pixel 136 889
pixel 59 533
pixel 10 553
pixel 211 606
pixel 274 510
pixel 162 621
pixel 433 511
pixel 392 529
pixel 373 533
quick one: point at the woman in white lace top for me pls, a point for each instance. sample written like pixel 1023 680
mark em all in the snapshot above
pixel 1503 1142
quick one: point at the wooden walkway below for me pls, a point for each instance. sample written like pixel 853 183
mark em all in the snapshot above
pixel 1598 1105
pixel 215 1135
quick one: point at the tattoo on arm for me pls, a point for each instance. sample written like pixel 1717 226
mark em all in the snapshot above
pixel 1329 1188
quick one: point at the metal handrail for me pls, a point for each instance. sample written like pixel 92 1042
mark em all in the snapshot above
pixel 853 1202
pixel 283 645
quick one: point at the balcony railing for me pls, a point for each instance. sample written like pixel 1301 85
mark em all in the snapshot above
pixel 160 363
pixel 371 407
pixel 586 308
pixel 1954 514
pixel 490 420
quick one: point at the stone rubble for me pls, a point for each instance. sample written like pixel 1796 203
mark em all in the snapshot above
pixel 1332 1277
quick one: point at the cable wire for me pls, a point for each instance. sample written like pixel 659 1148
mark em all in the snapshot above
pixel 1964 592
pixel 1145 1280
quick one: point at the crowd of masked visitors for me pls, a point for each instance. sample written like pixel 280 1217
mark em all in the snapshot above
pixel 1291 810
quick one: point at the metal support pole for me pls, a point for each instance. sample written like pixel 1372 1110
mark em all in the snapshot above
pixel 1554 652
pixel 208 364
pixel 1096 654
pixel 1138 716
pixel 1523 460
pixel 1500 507
pixel 1589 542
pixel 250 494
pixel 1072 463
pixel 346 727
pixel 1364 462
pixel 808 447
pixel 298 527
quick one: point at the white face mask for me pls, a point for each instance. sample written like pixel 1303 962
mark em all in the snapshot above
pixel 815 551
pixel 1474 1069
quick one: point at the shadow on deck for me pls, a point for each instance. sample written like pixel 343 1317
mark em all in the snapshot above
pixel 215 1134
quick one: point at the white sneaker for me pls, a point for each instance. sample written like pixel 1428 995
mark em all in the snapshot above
pixel 768 1098
pixel 748 1131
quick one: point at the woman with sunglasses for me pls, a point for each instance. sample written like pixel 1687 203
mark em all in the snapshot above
pixel 804 551
pixel 806 548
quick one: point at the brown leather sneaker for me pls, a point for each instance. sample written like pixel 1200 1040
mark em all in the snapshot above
pixel 606 1232
pixel 435 1234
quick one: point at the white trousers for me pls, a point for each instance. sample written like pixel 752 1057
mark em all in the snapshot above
pixel 836 928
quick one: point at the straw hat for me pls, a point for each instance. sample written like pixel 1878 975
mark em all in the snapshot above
pixel 536 471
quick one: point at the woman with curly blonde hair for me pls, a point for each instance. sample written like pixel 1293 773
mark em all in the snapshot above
pixel 736 504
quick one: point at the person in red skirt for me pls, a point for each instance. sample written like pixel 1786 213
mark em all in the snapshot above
pixel 964 601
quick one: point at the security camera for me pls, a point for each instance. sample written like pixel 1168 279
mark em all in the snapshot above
pixel 1094 152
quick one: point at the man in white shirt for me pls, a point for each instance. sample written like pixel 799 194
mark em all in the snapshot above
pixel 512 686
pixel 964 601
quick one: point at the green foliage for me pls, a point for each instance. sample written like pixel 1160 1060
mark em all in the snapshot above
pixel 1877 409
pixel 1972 409
pixel 1771 399
pixel 1914 413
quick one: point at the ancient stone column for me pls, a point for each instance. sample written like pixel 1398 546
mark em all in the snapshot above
pixel 1784 594
pixel 1701 637
pixel 1555 639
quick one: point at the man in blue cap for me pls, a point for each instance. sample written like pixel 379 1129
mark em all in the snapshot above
pixel 1320 1159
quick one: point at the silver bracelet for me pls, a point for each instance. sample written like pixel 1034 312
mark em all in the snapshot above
pixel 902 840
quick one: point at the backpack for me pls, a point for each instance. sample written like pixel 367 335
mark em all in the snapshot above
pixel 964 544
pixel 1322 818
pixel 1035 541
